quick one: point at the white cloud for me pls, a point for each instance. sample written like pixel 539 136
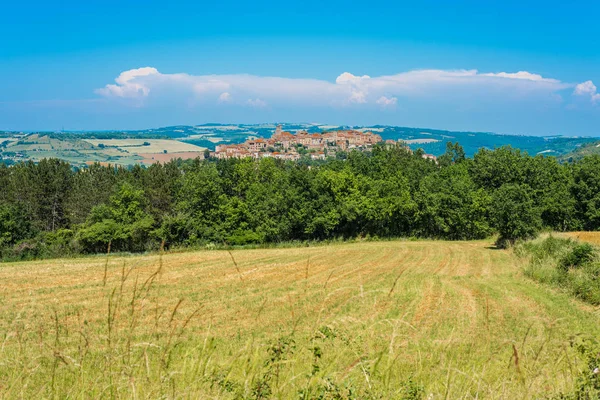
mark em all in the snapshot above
pixel 587 88
pixel 348 78
pixel 224 98
pixel 128 85
pixel 387 101
pixel 358 86
pixel 347 90
pixel 522 75
pixel 256 103
pixel 209 85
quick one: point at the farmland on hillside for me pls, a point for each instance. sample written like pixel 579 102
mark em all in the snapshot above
pixel 83 151
pixel 125 147
pixel 388 319
pixel 585 150
pixel 136 146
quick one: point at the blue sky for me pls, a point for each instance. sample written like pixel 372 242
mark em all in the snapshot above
pixel 506 66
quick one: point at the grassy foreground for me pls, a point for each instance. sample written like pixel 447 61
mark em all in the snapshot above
pixel 385 320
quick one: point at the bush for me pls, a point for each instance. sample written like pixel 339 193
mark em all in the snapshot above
pixel 28 249
pixel 551 247
pixel 60 243
pixel 583 283
pixel 243 237
pixel 580 254
pixel 564 263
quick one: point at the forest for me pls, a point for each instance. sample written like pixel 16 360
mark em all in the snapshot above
pixel 51 209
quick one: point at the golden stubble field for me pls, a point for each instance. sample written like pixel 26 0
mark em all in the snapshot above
pixel 362 320
pixel 135 146
pixel 584 236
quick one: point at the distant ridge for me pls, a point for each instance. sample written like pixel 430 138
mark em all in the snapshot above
pixel 432 141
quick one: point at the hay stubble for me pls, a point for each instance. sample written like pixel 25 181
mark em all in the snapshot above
pixel 449 314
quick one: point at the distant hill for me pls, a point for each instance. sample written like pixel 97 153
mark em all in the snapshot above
pixel 586 149
pixel 432 141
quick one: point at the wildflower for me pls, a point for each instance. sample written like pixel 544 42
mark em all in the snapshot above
pixel 596 371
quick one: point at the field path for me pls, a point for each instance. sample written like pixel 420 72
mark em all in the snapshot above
pixel 446 313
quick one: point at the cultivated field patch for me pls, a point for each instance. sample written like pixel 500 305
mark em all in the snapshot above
pixel 137 146
pixel 420 141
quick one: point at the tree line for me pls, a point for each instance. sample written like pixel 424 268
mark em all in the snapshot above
pixel 52 209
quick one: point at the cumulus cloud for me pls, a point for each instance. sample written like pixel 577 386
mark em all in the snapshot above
pixel 584 88
pixel 587 88
pixel 348 78
pixel 387 101
pixel 347 90
pixel 128 84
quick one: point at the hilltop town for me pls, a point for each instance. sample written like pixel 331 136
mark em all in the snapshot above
pixel 289 142
pixel 288 146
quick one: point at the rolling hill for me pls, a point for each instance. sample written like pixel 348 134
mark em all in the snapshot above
pixel 586 149
pixel 75 146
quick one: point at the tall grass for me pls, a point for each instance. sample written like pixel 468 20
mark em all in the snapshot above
pixel 566 263
pixel 574 267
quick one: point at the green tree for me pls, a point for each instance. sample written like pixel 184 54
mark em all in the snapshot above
pixel 91 187
pixel 454 154
pixel 452 207
pixel 41 190
pixel 516 216
pixel 14 226
pixel 552 185
pixel 491 169
pixel 124 223
pixel 586 191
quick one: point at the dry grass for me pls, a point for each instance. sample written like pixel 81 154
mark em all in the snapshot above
pixel 590 237
pixel 457 317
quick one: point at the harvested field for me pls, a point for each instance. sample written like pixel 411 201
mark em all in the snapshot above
pixel 590 237
pixel 455 319
pixel 135 146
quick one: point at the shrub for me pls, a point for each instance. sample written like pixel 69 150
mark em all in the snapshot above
pixel 580 254
pixel 28 249
pixel 584 284
pixel 564 263
pixel 243 237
